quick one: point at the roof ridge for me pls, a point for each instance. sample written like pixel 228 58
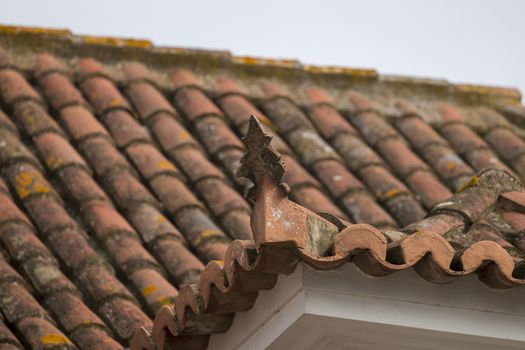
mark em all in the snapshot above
pixel 474 91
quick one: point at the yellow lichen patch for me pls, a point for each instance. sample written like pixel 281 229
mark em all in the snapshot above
pixel 392 192
pixel 33 30
pixel 218 261
pixel 247 60
pixel 183 135
pixel 487 90
pixel 162 301
pixel 149 289
pixel 54 162
pixel 115 102
pixel 206 234
pixel 54 338
pixel 109 41
pixel 355 72
pixel 288 63
pixel 264 120
pixel 159 218
pixel 471 183
pixel 165 165
pixel 27 183
pixel 450 165
pixel 418 232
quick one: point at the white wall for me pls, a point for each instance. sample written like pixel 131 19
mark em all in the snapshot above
pixel 475 41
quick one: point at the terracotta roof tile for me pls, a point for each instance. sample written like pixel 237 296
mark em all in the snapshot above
pixel 329 122
pixel 206 178
pixel 238 109
pixel 362 208
pixel 448 165
pixel 123 187
pixel 59 294
pixel 150 162
pixel 164 126
pixel 102 155
pixel 124 129
pixel 38 332
pixel 427 187
pixel 34 118
pixel 14 88
pixel 467 143
pixel 418 132
pixel 458 234
pixel 120 184
pixel 147 101
pixel 194 103
pixel 102 94
pixel 59 93
pixel 56 152
pixel 295 127
pixel 82 186
pixel 369 166
pixel 390 144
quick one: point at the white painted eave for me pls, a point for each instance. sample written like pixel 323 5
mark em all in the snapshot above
pixel 346 309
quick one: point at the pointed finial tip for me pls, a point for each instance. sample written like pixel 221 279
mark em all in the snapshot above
pixel 260 158
pixel 253 119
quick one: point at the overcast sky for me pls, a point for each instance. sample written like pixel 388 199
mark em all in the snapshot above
pixel 477 41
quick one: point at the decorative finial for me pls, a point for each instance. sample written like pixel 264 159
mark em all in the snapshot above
pixel 260 159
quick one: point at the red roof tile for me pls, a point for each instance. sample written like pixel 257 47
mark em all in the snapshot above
pixel 458 238
pixel 121 209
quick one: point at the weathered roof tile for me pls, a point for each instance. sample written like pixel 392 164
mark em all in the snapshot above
pixel 146 187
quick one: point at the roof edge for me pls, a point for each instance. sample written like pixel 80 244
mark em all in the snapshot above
pixel 286 234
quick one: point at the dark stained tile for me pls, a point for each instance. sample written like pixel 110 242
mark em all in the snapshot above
pixel 126 191
pixel 81 186
pixel 124 129
pixel 102 155
pixel 179 262
pixel 8 341
pixel 34 118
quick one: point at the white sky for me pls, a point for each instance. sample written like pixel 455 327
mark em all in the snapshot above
pixel 472 41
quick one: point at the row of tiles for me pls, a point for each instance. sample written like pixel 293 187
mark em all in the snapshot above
pixel 247 269
pixel 320 158
pixel 138 205
pixel 323 161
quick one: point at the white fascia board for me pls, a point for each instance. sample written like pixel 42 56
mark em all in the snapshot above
pixel 335 309
pixel 272 314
